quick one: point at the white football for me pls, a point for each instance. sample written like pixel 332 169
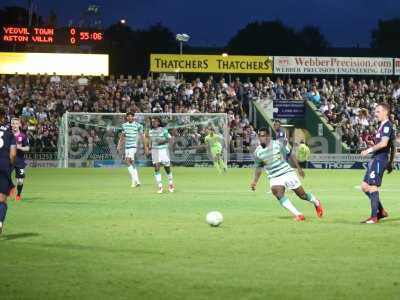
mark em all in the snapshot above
pixel 214 218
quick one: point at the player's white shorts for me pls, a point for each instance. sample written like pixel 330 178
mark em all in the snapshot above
pixel 289 180
pixel 130 153
pixel 160 156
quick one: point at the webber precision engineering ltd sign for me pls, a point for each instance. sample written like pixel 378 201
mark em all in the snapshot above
pixel 174 63
pixel 397 66
pixel 333 65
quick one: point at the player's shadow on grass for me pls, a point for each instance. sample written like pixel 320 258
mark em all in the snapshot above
pixel 31 199
pixel 16 236
pixel 68 203
pixel 390 220
pixel 285 218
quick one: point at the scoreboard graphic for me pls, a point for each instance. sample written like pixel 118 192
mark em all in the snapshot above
pixel 48 35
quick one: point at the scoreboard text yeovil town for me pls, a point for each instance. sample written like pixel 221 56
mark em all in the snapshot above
pixel 49 35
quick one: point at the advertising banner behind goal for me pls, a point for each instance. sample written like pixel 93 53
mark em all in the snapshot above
pixel 91 139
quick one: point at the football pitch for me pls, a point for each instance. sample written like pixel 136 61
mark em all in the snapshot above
pixel 86 234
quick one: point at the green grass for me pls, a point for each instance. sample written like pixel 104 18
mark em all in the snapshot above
pixel 85 234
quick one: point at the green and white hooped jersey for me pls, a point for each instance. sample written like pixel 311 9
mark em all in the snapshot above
pixel 157 136
pixel 132 132
pixel 273 159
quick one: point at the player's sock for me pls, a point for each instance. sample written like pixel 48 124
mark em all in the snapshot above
pixel 374 204
pixel 286 203
pixel 3 211
pixel 158 179
pixel 222 164
pixel 19 189
pixel 132 170
pixel 170 178
pixel 311 198
pixel 380 206
pixel 169 174
pixel 135 175
pixel 216 165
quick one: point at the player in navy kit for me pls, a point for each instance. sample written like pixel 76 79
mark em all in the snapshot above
pixel 280 134
pixel 8 155
pixel 22 147
pixel 383 153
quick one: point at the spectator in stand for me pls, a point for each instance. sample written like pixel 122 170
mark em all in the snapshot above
pixel 326 106
pixel 55 78
pixel 314 96
pixel 83 81
pixel 28 111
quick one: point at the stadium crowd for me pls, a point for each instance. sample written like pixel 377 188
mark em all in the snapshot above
pixel 41 100
pixel 347 105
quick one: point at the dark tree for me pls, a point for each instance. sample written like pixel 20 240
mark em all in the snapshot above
pixel 267 37
pixel 156 39
pixel 274 38
pixel 313 42
pixel 14 15
pixel 385 38
pixel 52 19
pixel 18 16
pixel 130 50
pixel 119 43
pixel 159 39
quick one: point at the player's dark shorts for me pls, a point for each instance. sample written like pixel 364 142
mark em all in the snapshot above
pixel 375 170
pixel 19 172
pixel 6 184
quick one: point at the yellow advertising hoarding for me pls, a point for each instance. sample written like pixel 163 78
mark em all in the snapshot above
pixel 59 63
pixel 171 63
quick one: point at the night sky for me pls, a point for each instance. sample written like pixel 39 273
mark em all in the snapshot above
pixel 344 23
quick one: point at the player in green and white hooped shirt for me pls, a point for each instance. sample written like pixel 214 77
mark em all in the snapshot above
pixel 271 156
pixel 131 131
pixel 157 140
pixel 213 140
